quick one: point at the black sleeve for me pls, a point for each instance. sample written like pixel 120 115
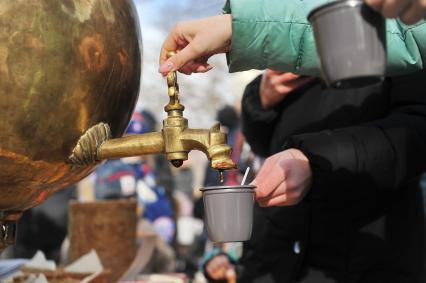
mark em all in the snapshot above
pixel 266 130
pixel 257 123
pixel 381 154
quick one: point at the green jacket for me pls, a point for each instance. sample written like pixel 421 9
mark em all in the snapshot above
pixel 276 34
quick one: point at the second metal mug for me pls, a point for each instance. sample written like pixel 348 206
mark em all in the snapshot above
pixel 350 39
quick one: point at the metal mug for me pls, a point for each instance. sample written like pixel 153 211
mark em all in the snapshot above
pixel 350 39
pixel 229 212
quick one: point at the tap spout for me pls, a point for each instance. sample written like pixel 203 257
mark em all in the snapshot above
pixel 213 143
pixel 176 140
pixel 132 145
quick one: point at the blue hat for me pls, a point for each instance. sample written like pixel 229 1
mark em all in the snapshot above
pixel 141 122
pixel 115 179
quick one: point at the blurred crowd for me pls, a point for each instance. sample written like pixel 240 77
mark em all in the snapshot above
pixel 168 201
pixel 170 205
pixel 338 171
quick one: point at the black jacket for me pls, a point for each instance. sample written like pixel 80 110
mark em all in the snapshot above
pixel 362 220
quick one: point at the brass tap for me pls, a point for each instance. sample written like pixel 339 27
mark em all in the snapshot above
pixel 175 140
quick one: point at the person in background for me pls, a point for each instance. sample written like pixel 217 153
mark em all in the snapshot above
pixel 221 264
pixel 338 197
pixel 144 122
pixel 44 227
pixel 149 181
pixel 136 177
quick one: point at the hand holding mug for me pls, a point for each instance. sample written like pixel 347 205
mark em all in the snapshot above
pixel 276 85
pixel 284 179
pixel 409 11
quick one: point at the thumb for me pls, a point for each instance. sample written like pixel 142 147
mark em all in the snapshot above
pixel 231 275
pixel 180 59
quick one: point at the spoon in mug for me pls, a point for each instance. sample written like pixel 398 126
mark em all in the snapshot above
pixel 245 176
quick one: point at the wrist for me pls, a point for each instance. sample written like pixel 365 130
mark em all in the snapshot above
pixel 227 19
pixel 298 154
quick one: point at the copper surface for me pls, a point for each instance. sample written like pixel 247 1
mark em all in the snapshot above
pixel 65 66
pixel 69 80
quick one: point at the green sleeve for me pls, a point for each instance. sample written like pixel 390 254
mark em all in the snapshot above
pixel 276 34
pixel 406 47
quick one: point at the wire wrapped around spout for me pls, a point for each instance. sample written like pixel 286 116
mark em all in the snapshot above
pixel 95 145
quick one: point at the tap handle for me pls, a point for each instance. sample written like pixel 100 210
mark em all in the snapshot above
pixel 170 54
pixel 173 90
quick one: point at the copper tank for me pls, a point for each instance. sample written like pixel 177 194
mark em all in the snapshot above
pixel 65 65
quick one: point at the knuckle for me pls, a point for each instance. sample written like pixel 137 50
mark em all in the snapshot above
pixel 402 19
pixel 389 9
pixel 179 27
pixel 375 3
pixel 291 196
pixel 294 193
pixel 388 14
pixel 262 204
pixel 290 186
pixel 422 4
pixel 407 19
pixel 297 195
pixel 196 49
pixel 185 72
pixel 284 199
pixel 259 194
pixel 268 161
pixel 293 202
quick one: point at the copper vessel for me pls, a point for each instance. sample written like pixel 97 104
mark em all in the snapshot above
pixel 65 65
pixel 69 80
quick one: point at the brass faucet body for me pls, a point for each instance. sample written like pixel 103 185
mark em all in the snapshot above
pixel 175 140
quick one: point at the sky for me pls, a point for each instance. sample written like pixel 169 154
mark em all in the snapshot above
pixel 202 94
pixel 151 11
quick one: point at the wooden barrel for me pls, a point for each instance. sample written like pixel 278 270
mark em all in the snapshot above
pixel 108 227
